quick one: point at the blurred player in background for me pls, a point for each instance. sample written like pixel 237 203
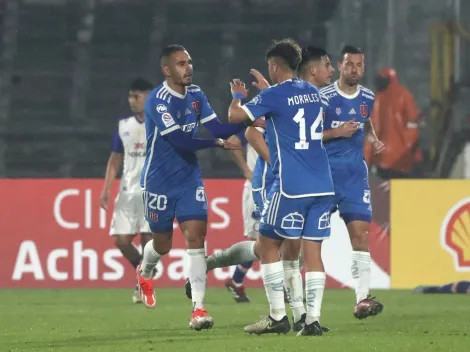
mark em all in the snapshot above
pixel 347 121
pixel 294 209
pixel 250 223
pixel 171 179
pixel 129 146
pixel 455 287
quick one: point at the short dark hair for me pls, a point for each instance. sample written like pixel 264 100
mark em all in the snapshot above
pixel 310 53
pixel 140 85
pixel 350 49
pixel 287 50
pixel 169 50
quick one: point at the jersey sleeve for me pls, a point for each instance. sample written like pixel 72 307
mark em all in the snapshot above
pixel 159 113
pixel 261 105
pixel 207 113
pixel 325 102
pixel 116 145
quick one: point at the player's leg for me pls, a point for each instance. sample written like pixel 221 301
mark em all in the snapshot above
pixel 356 213
pixel 293 284
pixel 191 213
pixel 461 287
pixel 159 213
pixel 250 227
pixel 282 219
pixel 317 229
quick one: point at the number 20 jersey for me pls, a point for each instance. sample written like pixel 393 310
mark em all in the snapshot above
pixel 294 113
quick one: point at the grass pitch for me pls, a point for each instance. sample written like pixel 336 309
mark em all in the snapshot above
pixel 106 320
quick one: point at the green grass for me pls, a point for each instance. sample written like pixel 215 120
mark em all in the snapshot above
pixel 105 320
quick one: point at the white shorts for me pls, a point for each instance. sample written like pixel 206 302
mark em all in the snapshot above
pixel 128 215
pixel 250 225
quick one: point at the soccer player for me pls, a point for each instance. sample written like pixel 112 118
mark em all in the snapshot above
pixel 462 287
pixel 250 221
pixel 346 124
pixel 171 179
pixel 128 146
pixel 299 203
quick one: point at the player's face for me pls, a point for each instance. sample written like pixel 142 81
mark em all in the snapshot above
pixel 351 69
pixel 137 100
pixel 180 68
pixel 324 71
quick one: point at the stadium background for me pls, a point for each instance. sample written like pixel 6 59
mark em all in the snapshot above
pixel 64 73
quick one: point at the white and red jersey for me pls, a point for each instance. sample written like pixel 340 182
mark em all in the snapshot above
pixel 130 140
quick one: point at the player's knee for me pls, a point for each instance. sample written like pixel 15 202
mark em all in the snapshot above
pixel 162 244
pixel 194 239
pixel 360 240
pixel 290 250
pixel 122 241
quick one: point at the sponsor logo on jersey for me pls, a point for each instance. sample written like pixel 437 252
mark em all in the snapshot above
pixel 167 120
pixel 161 108
pixel 189 127
pixel 336 124
pixel 455 234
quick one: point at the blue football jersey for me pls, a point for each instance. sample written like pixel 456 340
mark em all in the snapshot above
pixel 263 176
pixel 294 124
pixel 165 112
pixel 343 108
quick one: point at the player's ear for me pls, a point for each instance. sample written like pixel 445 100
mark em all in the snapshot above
pixel 166 71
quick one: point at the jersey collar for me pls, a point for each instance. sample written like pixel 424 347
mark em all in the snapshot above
pixel 343 94
pixel 176 94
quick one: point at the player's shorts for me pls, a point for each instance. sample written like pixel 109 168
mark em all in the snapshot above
pixel 296 218
pixel 128 215
pixel 352 196
pixel 250 223
pixel 162 206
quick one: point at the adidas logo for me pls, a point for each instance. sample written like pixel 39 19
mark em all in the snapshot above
pixel 352 111
pixel 187 112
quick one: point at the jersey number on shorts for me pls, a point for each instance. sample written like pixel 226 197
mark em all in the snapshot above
pixel 300 119
pixel 156 201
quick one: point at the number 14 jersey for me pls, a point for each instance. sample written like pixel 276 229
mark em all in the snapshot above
pixel 294 123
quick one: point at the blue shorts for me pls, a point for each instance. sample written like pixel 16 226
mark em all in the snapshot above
pixel 296 218
pixel 352 193
pixel 259 197
pixel 185 203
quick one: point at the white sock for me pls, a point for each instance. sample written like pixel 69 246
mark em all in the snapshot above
pixel 360 270
pixel 197 276
pixel 149 261
pixel 239 253
pixel 273 279
pixel 294 288
pixel 314 288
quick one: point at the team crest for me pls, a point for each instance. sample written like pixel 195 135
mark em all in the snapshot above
pixel 364 110
pixel 153 216
pixel 338 111
pixel 196 106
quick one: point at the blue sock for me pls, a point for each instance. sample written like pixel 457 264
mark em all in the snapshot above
pixel 240 272
pixel 463 287
pixel 446 288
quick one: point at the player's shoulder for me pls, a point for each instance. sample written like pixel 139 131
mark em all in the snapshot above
pixel 329 91
pixel 126 119
pixel 194 89
pixel 160 95
pixel 366 93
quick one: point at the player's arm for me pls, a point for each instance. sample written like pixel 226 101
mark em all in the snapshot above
pixel 254 136
pixel 112 168
pixel 372 137
pixel 239 158
pixel 212 123
pixel 259 106
pixel 346 130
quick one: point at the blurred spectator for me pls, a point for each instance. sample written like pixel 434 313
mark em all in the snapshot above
pixel 396 120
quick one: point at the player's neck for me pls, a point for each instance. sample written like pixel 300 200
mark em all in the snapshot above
pixel 177 88
pixel 140 116
pixel 284 76
pixel 347 89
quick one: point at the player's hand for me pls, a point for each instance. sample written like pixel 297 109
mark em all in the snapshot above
pixel 261 82
pixel 238 86
pixel 378 147
pixel 348 128
pixel 221 143
pixel 104 199
pixel 248 175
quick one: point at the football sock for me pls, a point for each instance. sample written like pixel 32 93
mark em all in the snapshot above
pixel 294 287
pixel 273 279
pixel 240 272
pixel 463 287
pixel 149 260
pixel 360 270
pixel 197 276
pixel 240 252
pixel 314 288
